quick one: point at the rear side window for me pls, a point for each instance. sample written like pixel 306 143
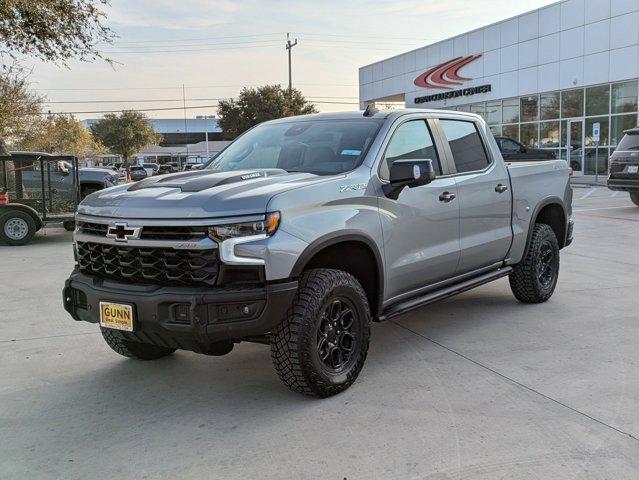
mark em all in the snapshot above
pixel 629 142
pixel 411 141
pixel 466 145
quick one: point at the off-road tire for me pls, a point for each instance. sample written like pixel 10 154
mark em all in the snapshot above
pixel 524 280
pixel 294 344
pixel 25 219
pixel 634 196
pixel 141 351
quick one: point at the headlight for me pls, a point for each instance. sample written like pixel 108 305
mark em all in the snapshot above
pixel 267 227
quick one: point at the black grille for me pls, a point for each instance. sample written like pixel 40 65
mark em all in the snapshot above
pixel 174 233
pixel 91 228
pixel 151 232
pixel 164 266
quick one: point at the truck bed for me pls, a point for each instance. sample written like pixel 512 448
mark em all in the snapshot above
pixel 534 183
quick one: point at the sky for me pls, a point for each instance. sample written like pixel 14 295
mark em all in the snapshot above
pixel 215 47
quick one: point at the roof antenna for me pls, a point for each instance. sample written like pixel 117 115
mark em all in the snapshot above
pixel 370 110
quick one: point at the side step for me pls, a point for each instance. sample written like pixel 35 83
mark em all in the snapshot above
pixel 451 290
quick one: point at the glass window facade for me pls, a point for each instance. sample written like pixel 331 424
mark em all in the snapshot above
pixel 540 121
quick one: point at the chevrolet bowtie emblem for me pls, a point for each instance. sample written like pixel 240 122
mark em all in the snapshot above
pixel 121 232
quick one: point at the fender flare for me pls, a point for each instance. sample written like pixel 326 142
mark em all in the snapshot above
pixel 533 219
pixel 341 236
pixel 4 209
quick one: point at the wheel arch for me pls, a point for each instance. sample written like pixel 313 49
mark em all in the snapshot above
pixel 358 255
pixel 552 212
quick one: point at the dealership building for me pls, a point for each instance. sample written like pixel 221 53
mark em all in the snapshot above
pixel 549 78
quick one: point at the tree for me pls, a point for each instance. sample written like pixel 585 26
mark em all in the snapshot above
pixel 257 105
pixel 62 135
pixel 52 30
pixel 125 134
pixel 19 106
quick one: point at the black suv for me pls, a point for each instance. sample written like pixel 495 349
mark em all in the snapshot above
pixel 624 165
pixel 513 151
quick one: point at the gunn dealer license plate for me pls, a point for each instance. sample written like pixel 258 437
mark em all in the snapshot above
pixel 116 316
pixel 633 168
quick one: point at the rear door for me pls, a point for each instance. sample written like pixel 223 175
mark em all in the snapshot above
pixel 421 227
pixel 485 199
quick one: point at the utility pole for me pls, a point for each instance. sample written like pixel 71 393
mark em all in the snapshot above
pixel 206 136
pixel 289 47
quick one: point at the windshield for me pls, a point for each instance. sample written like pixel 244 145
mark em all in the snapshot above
pixel 629 142
pixel 322 147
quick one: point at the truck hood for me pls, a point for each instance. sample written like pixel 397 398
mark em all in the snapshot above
pixel 196 194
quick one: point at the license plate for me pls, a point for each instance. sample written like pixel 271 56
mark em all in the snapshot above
pixel 116 316
pixel 633 168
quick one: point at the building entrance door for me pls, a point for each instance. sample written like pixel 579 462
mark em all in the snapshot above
pixel 575 145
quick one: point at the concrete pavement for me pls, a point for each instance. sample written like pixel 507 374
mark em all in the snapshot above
pixel 476 387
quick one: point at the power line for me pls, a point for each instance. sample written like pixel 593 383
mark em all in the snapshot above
pixel 164 100
pixel 190 107
pixel 201 38
pixel 192 87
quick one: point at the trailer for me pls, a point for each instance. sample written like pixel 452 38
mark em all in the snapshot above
pixel 36 189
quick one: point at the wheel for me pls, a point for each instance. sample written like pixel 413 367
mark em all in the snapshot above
pixel 141 351
pixel 320 347
pixel 535 278
pixel 634 196
pixel 87 191
pixel 17 227
pixel 69 225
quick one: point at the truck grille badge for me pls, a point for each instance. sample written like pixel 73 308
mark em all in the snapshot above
pixel 121 232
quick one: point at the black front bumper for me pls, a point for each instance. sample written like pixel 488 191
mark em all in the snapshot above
pixel 186 318
pixel 624 184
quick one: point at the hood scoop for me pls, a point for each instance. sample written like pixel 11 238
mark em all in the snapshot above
pixel 203 180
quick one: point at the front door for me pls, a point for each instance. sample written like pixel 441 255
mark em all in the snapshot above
pixel 421 227
pixel 574 143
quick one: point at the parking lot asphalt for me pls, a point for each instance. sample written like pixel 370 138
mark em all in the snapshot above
pixel 476 387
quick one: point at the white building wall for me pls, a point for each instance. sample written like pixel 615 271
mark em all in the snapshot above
pixel 569 44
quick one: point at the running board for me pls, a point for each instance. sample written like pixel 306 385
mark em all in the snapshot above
pixel 450 291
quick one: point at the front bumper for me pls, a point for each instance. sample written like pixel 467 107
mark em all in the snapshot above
pixel 186 318
pixel 570 232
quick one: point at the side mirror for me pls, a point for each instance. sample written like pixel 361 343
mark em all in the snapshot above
pixel 523 149
pixel 409 173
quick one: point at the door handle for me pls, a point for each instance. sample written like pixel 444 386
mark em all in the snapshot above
pixel 447 197
pixel 501 188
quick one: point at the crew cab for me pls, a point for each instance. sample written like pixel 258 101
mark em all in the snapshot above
pixel 306 229
pixel 624 165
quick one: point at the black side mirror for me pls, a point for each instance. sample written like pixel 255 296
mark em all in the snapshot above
pixel 523 149
pixel 409 173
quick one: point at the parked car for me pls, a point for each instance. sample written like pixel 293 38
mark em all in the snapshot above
pixel 307 228
pixel 167 168
pixel 92 179
pixel 138 172
pixel 151 168
pixel 624 165
pixel 513 151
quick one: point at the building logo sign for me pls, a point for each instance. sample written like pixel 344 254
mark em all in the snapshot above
pixel 446 75
pixel 464 92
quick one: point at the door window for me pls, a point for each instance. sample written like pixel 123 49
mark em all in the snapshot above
pixel 508 146
pixel 466 145
pixel 412 140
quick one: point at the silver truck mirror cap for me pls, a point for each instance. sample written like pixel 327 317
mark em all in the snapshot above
pixel 409 173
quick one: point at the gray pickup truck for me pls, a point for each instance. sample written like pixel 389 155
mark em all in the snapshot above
pixel 306 229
